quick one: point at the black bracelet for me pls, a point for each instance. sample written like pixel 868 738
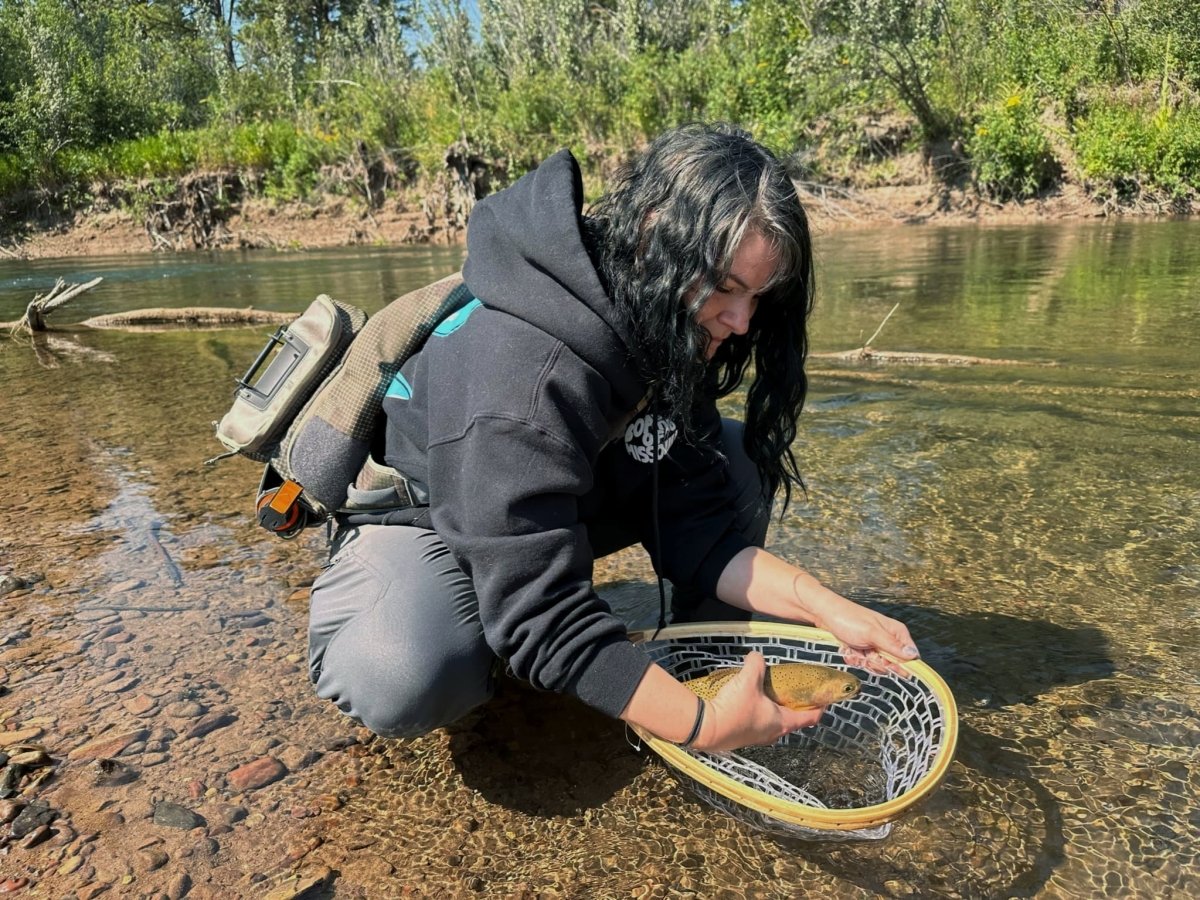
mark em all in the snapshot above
pixel 695 732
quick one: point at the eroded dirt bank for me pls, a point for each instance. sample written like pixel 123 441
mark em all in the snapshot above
pixel 262 224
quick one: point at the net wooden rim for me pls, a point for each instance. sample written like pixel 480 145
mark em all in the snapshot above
pixel 786 810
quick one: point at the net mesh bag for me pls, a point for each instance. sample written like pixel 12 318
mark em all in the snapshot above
pixel 869 760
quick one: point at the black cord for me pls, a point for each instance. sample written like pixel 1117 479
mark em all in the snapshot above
pixel 662 592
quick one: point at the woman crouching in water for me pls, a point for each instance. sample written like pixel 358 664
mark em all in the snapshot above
pixel 569 411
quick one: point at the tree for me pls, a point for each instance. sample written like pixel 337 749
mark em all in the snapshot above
pixel 896 40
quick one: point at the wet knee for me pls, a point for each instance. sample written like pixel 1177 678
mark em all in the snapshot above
pixel 400 699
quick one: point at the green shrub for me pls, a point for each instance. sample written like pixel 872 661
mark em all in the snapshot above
pixel 1115 141
pixel 1010 153
pixel 1120 143
pixel 14 179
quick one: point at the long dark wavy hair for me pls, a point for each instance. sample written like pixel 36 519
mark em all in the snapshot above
pixel 665 234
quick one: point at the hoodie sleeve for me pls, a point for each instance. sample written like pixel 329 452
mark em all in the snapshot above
pixel 504 496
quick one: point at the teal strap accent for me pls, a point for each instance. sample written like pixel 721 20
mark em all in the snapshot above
pixel 399 389
pixel 457 320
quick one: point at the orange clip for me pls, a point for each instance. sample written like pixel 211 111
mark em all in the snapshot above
pixel 285 496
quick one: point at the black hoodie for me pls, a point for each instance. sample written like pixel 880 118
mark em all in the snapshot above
pixel 520 417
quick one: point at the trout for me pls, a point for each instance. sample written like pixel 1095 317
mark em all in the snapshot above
pixel 797 686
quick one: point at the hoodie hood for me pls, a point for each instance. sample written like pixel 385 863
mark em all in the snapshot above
pixel 526 256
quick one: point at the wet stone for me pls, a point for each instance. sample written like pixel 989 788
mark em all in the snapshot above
pixel 184 709
pixel 9 810
pixel 299 885
pixel 95 615
pixel 172 815
pixel 30 759
pixel 10 583
pixel 297 758
pixel 9 885
pixel 256 774
pixel 35 837
pixel 10 780
pixel 154 759
pixel 69 865
pixel 162 735
pixel 140 705
pixel 19 736
pixel 110 773
pixel 209 723
pixel 226 813
pixel 107 746
pixel 120 685
pixel 151 859
pixel 262 745
pixel 35 814
pixel 14 637
pixel 95 889
pixel 179 886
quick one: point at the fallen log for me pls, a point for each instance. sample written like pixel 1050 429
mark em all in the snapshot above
pixel 865 354
pixel 912 358
pixel 188 317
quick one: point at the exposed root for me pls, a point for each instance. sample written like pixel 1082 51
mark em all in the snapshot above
pixel 194 216
pixel 468 178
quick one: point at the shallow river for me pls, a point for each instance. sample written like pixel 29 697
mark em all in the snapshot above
pixel 1036 524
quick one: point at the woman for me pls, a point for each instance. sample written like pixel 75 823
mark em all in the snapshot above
pixel 569 411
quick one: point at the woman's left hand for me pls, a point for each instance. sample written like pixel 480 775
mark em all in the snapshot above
pixel 762 582
pixel 867 635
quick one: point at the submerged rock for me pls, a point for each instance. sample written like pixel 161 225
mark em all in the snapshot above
pixel 256 774
pixel 107 746
pixel 110 773
pixel 35 814
pixel 172 815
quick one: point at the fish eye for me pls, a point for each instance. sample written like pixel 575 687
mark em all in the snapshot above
pixel 847 688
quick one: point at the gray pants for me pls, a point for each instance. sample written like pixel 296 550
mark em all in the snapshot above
pixel 394 637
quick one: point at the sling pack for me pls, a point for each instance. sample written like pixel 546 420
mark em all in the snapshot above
pixel 315 413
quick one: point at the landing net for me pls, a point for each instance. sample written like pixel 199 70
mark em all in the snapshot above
pixel 869 760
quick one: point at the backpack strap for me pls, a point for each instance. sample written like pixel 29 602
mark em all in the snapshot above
pixel 327 448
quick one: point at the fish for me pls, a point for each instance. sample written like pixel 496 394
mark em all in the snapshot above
pixel 797 686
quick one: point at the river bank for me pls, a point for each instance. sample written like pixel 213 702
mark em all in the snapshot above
pixel 335 221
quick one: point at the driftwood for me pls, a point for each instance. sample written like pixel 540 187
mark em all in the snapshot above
pixel 188 316
pixel 905 358
pixel 42 305
pixel 865 354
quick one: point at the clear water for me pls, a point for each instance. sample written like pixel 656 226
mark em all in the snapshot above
pixel 1037 526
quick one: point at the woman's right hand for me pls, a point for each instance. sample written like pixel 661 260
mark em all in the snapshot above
pixel 742 715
